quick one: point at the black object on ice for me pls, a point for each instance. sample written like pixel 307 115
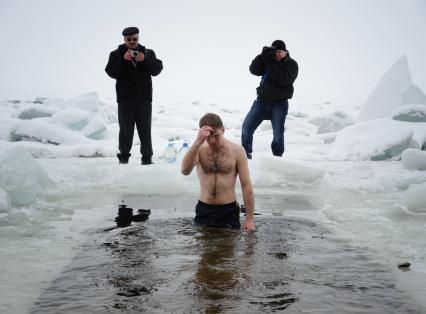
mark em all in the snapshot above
pixel 404 265
pixel 125 215
pixel 142 215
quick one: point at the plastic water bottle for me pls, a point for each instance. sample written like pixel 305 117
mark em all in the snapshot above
pixel 183 150
pixel 170 153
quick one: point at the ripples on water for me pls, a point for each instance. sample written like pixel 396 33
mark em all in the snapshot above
pixel 164 266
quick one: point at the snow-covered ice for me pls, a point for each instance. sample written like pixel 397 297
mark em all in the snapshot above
pixel 415 198
pixel 386 95
pixel 410 113
pixel 21 176
pixel 332 122
pixel 374 139
pixel 414 159
pixel 52 200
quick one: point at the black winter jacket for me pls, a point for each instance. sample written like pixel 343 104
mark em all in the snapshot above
pixel 279 82
pixel 133 83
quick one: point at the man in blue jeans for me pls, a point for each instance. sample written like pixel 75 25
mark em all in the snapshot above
pixel 278 72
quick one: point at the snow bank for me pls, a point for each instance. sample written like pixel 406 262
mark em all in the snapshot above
pixel 72 118
pixel 375 139
pixel 95 129
pixel 271 171
pixel 21 176
pixel 34 111
pixel 332 122
pixel 410 113
pixel 40 130
pixel 89 102
pixel 415 199
pixel 386 95
pixel 414 159
pixel 413 95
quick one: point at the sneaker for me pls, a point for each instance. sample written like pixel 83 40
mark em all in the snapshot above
pixel 249 156
pixel 123 162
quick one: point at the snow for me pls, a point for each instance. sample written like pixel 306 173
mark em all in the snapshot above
pixel 270 171
pixel 95 129
pixel 413 95
pixel 374 139
pixel 72 118
pixel 386 95
pixel 410 113
pixel 328 163
pixel 332 122
pixel 54 199
pixel 415 198
pixel 40 130
pixel 89 102
pixel 414 159
pixel 34 111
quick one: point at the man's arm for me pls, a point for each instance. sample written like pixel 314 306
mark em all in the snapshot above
pixel 283 74
pixel 247 189
pixel 116 65
pixel 257 66
pixel 191 157
pixel 150 63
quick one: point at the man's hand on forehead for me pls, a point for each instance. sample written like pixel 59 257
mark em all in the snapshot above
pixel 203 133
pixel 207 128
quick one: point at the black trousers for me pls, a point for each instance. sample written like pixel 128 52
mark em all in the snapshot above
pixel 218 216
pixel 133 113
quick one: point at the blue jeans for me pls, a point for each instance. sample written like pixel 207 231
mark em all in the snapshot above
pixel 265 110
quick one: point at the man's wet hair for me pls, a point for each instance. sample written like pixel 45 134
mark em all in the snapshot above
pixel 212 120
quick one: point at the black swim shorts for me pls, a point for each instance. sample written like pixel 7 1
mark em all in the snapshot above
pixel 218 216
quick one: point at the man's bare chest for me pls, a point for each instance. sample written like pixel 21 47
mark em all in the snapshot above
pixel 220 162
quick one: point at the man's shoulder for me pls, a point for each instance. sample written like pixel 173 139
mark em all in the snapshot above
pixel 121 49
pixel 236 149
pixel 292 62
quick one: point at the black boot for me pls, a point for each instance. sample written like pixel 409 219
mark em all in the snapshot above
pixel 123 158
pixel 147 161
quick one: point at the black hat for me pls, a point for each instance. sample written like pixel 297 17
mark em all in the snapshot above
pixel 279 45
pixel 130 31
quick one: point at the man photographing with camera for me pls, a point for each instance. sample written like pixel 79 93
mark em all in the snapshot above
pixel 278 72
pixel 132 66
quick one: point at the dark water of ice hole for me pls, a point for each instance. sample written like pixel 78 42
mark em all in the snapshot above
pixel 172 266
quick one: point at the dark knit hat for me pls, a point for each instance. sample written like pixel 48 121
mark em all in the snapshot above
pixel 130 31
pixel 279 45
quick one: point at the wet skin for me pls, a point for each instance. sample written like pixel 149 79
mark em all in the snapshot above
pixel 218 162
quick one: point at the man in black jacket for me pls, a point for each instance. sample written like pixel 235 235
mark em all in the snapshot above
pixel 278 72
pixel 132 65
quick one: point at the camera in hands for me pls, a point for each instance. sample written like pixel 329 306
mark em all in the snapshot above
pixel 134 53
pixel 268 52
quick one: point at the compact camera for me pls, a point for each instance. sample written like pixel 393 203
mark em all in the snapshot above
pixel 268 50
pixel 134 53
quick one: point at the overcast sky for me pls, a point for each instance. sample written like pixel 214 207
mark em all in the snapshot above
pixel 60 48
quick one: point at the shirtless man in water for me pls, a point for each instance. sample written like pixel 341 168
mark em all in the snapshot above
pixel 218 163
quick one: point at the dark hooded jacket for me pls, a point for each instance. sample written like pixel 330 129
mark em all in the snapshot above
pixel 278 84
pixel 133 83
